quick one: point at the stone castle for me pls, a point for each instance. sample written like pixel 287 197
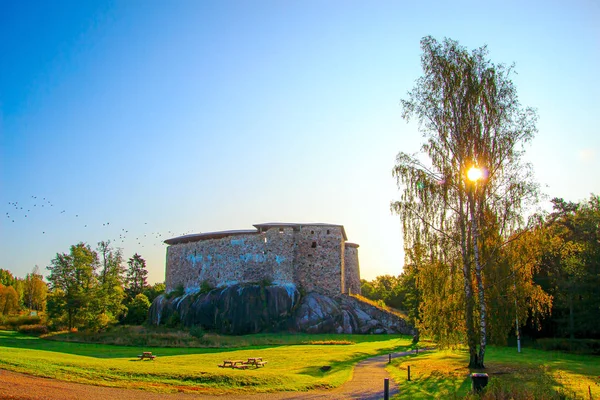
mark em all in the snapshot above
pixel 314 257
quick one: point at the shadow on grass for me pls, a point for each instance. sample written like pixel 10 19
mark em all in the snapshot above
pixel 20 341
pixel 447 376
pixel 319 372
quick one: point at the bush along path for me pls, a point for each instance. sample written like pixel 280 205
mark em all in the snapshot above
pixel 366 383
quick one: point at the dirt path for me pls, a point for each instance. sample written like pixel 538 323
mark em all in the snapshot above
pixel 366 384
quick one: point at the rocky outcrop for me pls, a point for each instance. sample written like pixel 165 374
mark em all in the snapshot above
pixel 244 309
pixel 237 309
pixel 346 314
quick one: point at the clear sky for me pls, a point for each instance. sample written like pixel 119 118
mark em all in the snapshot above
pixel 150 119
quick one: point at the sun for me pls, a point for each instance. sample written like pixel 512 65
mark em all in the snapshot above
pixel 474 174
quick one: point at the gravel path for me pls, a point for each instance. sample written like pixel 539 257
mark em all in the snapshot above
pixel 366 383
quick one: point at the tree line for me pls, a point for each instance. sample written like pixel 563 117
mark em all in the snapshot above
pixel 550 289
pixel 87 288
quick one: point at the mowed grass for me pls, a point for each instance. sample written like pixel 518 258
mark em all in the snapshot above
pixel 290 367
pixel 532 374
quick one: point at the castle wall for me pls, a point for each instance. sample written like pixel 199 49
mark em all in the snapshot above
pixel 319 259
pixel 229 260
pixel 313 257
pixel 352 269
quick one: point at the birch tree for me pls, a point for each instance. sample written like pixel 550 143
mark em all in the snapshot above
pixel 471 120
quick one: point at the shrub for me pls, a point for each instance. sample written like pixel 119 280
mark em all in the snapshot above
pixel 578 346
pixel 37 329
pixel 197 332
pixel 137 311
pixel 329 342
pixel 177 292
pixel 14 322
pixel 173 320
pixel 205 287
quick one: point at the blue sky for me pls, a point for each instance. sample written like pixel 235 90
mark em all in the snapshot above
pixel 159 118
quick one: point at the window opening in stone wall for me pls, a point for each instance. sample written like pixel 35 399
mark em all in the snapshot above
pixel 328 231
pixel 314 245
pixel 312 232
pixel 194 253
pixel 280 230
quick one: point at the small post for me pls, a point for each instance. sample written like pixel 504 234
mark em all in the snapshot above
pixel 409 372
pixel 390 358
pixel 386 389
pixel 417 348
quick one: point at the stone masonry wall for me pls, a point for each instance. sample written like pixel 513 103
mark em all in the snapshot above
pixel 352 269
pixel 229 260
pixel 319 259
pixel 312 257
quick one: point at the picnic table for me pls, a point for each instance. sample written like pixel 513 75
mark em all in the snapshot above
pixel 256 361
pixel 241 364
pixel 233 364
pixel 146 354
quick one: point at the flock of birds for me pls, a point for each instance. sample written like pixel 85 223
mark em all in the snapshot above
pixel 30 210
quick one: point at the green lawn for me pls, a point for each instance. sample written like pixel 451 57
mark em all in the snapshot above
pixel 290 367
pixel 532 374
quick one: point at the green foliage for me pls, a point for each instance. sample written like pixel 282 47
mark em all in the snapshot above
pixel 6 278
pixel 576 346
pixel 266 282
pixel 454 229
pixel 397 292
pixel 154 291
pixel 329 342
pixel 15 321
pixel 136 275
pixel 137 312
pixel 205 287
pixel 74 286
pixel 177 292
pixel 110 293
pixel 570 269
pixel 174 320
pixel 197 332
pixel 35 291
pixel 9 300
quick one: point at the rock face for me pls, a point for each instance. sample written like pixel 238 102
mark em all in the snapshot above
pixel 345 314
pixel 244 309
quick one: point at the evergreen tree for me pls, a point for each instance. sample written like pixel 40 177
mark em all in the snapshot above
pixel 136 275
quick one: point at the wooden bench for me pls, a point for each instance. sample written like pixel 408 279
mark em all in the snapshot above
pixel 146 354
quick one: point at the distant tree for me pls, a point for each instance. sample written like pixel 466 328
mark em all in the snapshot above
pixel 367 290
pixel 470 116
pixel 74 285
pixel 397 292
pixel 136 275
pixel 111 278
pixel 35 290
pixel 9 300
pixel 137 311
pixel 570 269
pixel 6 277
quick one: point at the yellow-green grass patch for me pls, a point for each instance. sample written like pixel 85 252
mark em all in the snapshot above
pixel 289 367
pixel 531 374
